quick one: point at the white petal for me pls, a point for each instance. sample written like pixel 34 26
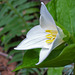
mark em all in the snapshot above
pixel 35 30
pixel 35 39
pixel 32 43
pixel 45 51
pixel 43 54
pixel 46 20
pixel 60 31
pixel 58 40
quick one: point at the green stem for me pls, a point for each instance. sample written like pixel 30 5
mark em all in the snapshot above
pixel 74 68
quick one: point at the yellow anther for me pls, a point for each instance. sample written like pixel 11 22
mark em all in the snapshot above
pixel 52 31
pixel 48 31
pixel 51 36
pixel 54 36
pixel 49 41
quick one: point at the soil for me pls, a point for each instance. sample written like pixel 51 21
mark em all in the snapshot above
pixel 6 69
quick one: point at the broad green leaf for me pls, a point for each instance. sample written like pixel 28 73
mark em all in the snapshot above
pixel 55 71
pixel 65 14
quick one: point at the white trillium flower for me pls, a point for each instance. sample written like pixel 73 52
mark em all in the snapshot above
pixel 45 36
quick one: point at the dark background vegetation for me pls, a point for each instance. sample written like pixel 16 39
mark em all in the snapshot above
pixel 16 18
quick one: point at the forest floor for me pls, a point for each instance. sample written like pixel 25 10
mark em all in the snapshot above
pixel 5 68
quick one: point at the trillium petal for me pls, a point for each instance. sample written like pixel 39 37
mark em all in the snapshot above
pixel 60 31
pixel 35 39
pixel 58 40
pixel 45 51
pixel 46 20
pixel 30 44
pixel 43 54
pixel 35 30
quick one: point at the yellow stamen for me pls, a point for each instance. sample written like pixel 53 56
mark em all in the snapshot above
pixel 52 31
pixel 48 30
pixel 51 36
pixel 49 41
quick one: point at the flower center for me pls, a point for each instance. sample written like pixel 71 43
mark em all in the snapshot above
pixel 51 36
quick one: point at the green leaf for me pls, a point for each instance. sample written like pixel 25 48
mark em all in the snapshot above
pixel 19 2
pixel 11 45
pixel 14 52
pixel 55 71
pixel 32 10
pixel 28 5
pixel 65 14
